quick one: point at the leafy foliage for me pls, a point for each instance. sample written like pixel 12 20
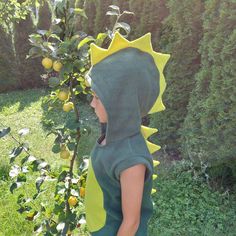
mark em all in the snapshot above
pixel 183 32
pixel 13 11
pixel 7 63
pixel 185 206
pixel 208 132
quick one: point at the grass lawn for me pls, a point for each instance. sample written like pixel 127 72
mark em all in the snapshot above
pixel 183 205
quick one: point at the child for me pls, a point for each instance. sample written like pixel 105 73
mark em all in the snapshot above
pixel 125 82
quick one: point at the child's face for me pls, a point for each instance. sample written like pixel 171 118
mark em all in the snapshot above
pixel 99 108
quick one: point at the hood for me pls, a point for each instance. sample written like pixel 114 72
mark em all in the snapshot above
pixel 127 83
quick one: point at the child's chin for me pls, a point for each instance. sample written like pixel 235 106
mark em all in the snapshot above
pixel 101 120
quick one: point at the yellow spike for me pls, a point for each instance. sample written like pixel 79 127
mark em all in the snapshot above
pixel 147 131
pixel 97 53
pixel 156 163
pixel 152 147
pixel 154 177
pixel 118 43
pixel 160 60
pixel 158 105
pixel 144 43
pixel 153 191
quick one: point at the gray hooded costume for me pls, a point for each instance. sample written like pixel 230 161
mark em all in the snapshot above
pixel 127 83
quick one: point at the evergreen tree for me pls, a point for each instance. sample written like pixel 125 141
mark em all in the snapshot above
pixel 136 6
pixel 28 70
pixel 101 19
pixel 45 16
pixel 8 80
pixel 209 128
pixel 149 17
pixel 91 11
pixel 181 35
pixel 158 14
pixel 78 22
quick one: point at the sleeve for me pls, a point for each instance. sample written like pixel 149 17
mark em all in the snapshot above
pixel 132 161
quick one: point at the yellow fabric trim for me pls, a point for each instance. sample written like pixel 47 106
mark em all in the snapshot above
pixel 94 200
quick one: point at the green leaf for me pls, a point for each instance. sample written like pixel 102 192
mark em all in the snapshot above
pixel 74 192
pixel 53 229
pixel 84 165
pixel 80 12
pixel 129 12
pixel 78 64
pixel 35 39
pixel 71 146
pixel 85 41
pixel 100 38
pixel 39 181
pixel 38 193
pixel 60 9
pixel 25 146
pixel 56 21
pixel 24 208
pixel 21 177
pixel 42 32
pixel 58 208
pixel 42 165
pixel 54 81
pixel 62 176
pixel 83 54
pixel 53 49
pixel 4 132
pixel 74 181
pixel 72 217
pixel 67 68
pixel 32 215
pixel 34 52
pixel 15 170
pixel 43 209
pixel 112 13
pixel 14 153
pixel 56 148
pixel 24 169
pixel 61 226
pixel 114 7
pixel 82 219
pixel 14 186
pixel 124 26
pixel 34 165
pixel 23 131
pixel 54 36
pixel 28 158
pixel 62 191
pixel 38 228
pixel 21 199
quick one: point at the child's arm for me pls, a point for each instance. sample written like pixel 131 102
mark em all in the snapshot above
pixel 132 184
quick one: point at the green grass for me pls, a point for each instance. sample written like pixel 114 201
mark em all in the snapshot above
pixel 184 205
pixel 22 109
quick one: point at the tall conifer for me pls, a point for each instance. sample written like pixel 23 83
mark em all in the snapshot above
pixel 209 128
pixel 181 35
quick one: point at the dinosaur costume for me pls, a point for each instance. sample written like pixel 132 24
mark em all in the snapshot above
pixel 128 79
